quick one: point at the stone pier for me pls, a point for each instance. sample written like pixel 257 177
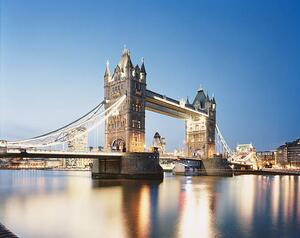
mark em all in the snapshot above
pixel 135 165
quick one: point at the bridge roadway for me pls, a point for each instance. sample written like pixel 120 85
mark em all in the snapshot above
pixel 21 153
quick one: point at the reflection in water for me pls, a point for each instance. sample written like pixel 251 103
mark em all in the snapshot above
pixel 275 200
pixel 144 212
pixel 70 204
pixel 196 211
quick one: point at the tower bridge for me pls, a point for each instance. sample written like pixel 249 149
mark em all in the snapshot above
pixel 126 131
pixel 126 98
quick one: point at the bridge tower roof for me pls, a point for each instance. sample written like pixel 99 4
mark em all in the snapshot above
pixel 200 97
pixel 125 60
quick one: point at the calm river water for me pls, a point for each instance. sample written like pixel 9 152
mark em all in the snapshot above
pixel 69 204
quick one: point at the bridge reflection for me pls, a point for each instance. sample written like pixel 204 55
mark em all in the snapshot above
pixel 149 212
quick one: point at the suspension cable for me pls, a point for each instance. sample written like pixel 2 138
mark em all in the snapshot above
pixel 222 140
pixel 62 133
pixel 95 110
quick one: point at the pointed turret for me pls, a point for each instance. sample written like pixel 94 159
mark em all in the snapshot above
pixel 213 100
pixel 187 101
pixel 137 70
pixel 107 71
pixel 143 70
pixel 107 77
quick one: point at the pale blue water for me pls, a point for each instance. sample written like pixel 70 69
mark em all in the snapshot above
pixel 70 204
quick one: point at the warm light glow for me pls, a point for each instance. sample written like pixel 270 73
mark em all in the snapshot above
pixel 247 200
pixel 275 199
pixel 195 214
pixel 144 212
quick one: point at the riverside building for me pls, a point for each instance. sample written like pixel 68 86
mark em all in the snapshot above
pixel 288 155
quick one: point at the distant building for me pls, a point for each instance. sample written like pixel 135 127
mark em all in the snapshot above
pixel 244 149
pixel 53 163
pixel 27 164
pixel 288 154
pixel 265 159
pixel 3 146
pixel 246 153
pixel 159 143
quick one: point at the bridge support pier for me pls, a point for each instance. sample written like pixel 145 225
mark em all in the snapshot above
pixel 139 165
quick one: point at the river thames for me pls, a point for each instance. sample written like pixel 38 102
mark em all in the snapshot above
pixel 69 204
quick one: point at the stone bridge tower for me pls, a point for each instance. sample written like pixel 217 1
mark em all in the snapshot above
pixel 200 132
pixel 125 131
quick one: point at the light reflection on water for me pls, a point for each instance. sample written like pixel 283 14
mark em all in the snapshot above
pixel 70 204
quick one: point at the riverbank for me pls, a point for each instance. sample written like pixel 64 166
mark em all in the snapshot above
pixel 226 173
pixel 268 172
pixel 4 232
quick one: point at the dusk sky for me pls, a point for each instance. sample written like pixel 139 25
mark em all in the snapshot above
pixel 247 53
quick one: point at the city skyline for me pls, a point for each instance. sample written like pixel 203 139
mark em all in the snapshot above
pixel 252 72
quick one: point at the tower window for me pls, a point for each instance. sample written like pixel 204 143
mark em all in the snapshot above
pixel 202 104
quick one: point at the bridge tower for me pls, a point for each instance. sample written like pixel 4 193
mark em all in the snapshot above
pixel 125 130
pixel 200 131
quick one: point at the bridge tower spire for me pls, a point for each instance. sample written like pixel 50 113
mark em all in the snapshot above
pixel 125 131
pixel 107 72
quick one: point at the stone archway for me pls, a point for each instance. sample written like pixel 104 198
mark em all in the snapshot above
pixel 119 145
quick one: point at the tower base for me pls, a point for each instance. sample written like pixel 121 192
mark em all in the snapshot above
pixel 140 165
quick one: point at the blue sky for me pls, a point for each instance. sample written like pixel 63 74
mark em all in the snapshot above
pixel 247 53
